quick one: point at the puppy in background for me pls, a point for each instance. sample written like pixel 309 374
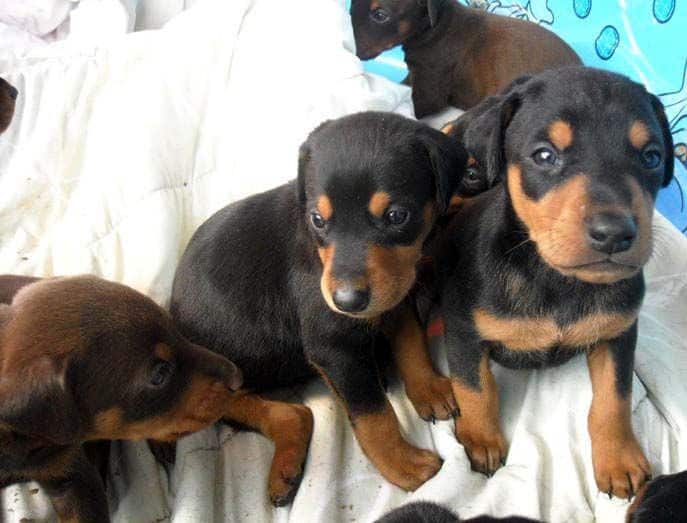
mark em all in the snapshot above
pixel 456 55
pixel 83 360
pixel 8 98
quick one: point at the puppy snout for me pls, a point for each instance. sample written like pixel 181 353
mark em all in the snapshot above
pixel 232 375
pixel 9 89
pixel 218 367
pixel 611 232
pixel 351 299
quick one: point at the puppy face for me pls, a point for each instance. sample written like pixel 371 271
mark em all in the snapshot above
pixel 371 186
pixel 86 359
pixel 582 171
pixel 379 25
pixel 8 97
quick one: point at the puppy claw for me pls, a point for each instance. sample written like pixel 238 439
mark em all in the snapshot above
pixel 432 398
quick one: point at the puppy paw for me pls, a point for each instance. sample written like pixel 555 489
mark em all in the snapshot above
pixel 290 452
pixel 486 448
pixel 410 467
pixel 620 467
pixel 433 398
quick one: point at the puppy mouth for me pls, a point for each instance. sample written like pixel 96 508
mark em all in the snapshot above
pixel 606 265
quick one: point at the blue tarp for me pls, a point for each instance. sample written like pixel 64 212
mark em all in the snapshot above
pixel 643 39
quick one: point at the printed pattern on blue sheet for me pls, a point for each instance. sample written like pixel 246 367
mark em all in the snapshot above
pixel 643 39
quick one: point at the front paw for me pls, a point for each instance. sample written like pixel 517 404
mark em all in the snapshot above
pixel 408 467
pixel 620 467
pixel 485 446
pixel 433 398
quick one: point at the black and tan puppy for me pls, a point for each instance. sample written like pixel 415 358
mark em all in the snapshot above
pixel 456 55
pixel 548 264
pixel 661 501
pixel 83 359
pixel 426 512
pixel 8 97
pixel 308 277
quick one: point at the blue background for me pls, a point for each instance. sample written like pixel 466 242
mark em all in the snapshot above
pixel 643 39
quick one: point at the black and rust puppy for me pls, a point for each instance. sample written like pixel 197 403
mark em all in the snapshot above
pixel 426 512
pixel 661 501
pixel 548 264
pixel 81 360
pixel 456 55
pixel 304 279
pixel 8 97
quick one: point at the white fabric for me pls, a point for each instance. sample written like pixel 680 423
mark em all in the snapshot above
pixel 118 152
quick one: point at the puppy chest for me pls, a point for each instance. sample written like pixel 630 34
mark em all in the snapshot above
pixel 542 333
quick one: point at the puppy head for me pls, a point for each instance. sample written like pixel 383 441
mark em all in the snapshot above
pixel 8 97
pixel 584 153
pixel 662 499
pixel 379 25
pixel 370 187
pixel 85 359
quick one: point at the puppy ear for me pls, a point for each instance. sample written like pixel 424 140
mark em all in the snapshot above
pixel 449 160
pixel 303 161
pixel 667 138
pixel 433 9
pixel 485 129
pixel 35 401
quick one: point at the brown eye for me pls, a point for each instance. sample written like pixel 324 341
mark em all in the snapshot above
pixel 380 16
pixel 397 216
pixel 544 157
pixel 651 158
pixel 161 373
pixel 317 221
pixel 472 175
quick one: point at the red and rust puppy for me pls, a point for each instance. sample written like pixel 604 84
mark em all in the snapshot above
pixel 83 359
pixel 661 501
pixel 8 97
pixel 307 277
pixel 456 55
pixel 548 264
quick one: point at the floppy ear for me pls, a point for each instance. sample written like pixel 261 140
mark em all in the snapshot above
pixel 485 131
pixel 449 161
pixel 667 138
pixel 303 160
pixel 35 401
pixel 433 9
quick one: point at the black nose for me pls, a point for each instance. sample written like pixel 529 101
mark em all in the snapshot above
pixel 350 299
pixel 611 233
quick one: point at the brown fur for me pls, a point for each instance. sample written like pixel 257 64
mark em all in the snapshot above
pixel 325 207
pixel 620 467
pixel 378 203
pixel 561 134
pixel 639 134
pixel 8 95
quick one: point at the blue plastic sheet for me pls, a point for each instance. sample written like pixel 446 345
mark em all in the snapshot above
pixel 643 39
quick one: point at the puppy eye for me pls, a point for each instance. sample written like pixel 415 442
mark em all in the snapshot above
pixel 472 175
pixel 544 157
pixel 380 16
pixel 317 221
pixel 162 371
pixel 397 216
pixel 651 158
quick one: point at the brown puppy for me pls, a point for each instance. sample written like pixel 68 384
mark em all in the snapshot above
pixel 456 55
pixel 84 359
pixel 8 96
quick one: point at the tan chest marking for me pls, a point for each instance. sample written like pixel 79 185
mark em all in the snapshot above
pixel 543 333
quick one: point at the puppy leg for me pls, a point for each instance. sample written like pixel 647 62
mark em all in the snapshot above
pixel 352 374
pixel 430 393
pixel 474 388
pixel 289 426
pixel 79 497
pixel 620 467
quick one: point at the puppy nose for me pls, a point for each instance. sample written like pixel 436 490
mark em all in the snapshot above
pixel 351 299
pixel 13 92
pixel 232 375
pixel 610 232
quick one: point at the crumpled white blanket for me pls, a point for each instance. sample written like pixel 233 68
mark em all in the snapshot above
pixel 119 151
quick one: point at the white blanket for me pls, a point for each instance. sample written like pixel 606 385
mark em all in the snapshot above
pixel 118 152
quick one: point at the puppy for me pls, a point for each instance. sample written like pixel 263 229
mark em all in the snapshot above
pixel 456 55
pixel 8 97
pixel 426 512
pixel 548 264
pixel 661 501
pixel 310 277
pixel 81 360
